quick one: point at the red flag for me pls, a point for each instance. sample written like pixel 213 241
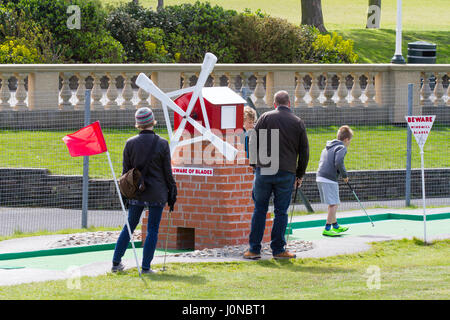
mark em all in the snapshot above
pixel 87 141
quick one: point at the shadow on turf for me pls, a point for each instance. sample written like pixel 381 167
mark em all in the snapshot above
pixel 165 276
pixel 293 265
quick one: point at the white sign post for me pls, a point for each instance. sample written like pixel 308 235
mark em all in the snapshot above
pixel 420 127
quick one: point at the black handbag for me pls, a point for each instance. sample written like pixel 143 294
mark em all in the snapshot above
pixel 131 183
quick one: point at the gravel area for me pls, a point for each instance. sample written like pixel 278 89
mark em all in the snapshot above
pixel 103 237
pixel 91 238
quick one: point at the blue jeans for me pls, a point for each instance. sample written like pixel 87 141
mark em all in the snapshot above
pixel 134 216
pixel 281 184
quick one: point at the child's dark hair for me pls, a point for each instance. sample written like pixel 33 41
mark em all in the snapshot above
pixel 344 132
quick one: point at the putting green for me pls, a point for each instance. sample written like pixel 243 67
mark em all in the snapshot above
pixel 402 228
pixel 63 262
pixel 311 230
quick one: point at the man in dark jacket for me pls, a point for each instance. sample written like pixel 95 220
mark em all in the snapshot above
pixel 151 155
pixel 287 149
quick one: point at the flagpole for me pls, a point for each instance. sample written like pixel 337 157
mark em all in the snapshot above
pixel 124 211
pixel 423 199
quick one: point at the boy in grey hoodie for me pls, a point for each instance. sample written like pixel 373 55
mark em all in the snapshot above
pixel 331 166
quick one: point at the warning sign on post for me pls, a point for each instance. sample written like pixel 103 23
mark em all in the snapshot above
pixel 420 127
pixel 193 171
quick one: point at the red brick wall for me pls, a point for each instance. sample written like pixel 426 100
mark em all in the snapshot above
pixel 211 211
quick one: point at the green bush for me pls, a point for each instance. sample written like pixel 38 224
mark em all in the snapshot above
pixel 96 47
pixel 179 33
pixel 124 28
pixel 52 15
pixel 17 51
pixel 194 29
pixel 14 25
pixel 333 49
pixel 152 43
pixel 264 39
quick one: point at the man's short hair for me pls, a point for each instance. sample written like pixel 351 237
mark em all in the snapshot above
pixel 344 132
pixel 249 113
pixel 281 98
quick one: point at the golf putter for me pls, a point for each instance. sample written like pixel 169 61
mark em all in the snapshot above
pixel 167 239
pixel 360 203
pixel 292 212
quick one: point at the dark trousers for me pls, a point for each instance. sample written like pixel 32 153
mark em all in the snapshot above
pixel 134 216
pixel 281 185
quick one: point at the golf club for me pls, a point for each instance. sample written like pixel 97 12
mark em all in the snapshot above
pixel 292 211
pixel 167 239
pixel 360 203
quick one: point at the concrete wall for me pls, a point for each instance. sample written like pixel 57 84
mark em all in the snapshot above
pixel 36 188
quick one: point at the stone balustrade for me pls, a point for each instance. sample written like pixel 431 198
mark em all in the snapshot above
pixel 62 87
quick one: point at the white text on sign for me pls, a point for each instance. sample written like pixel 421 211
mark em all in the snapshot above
pixel 193 171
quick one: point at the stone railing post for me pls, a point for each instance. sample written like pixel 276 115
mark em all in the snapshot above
pixel 300 91
pixel 280 80
pixel 43 90
pixel 96 92
pixel 66 93
pixel 370 91
pixel 127 91
pixel 448 90
pixel 259 90
pixel 112 92
pixel 314 91
pixel 328 91
pixel 401 77
pixel 342 91
pixel 167 81
pixel 81 90
pixel 5 95
pixel 439 90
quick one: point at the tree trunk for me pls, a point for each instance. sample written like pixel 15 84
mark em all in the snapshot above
pixel 312 14
pixel 160 5
pixel 374 14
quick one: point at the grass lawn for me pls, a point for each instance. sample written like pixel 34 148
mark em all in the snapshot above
pixel 367 43
pixel 422 20
pixel 372 148
pixel 407 270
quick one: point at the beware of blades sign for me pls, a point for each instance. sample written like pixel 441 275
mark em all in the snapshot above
pixel 420 127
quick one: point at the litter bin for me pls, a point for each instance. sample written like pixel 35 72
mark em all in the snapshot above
pixel 421 52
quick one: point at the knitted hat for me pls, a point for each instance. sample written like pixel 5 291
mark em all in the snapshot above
pixel 144 116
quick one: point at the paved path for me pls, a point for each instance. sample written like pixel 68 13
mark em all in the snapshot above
pixel 322 247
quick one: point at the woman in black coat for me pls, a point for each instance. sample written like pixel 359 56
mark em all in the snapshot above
pixel 151 155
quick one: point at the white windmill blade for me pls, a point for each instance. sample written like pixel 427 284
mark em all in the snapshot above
pixel 179 92
pixel 207 67
pixel 147 84
pixel 167 118
pixel 224 147
pixel 205 114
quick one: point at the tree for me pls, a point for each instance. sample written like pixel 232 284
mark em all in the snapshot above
pixel 312 14
pixel 374 14
pixel 160 5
